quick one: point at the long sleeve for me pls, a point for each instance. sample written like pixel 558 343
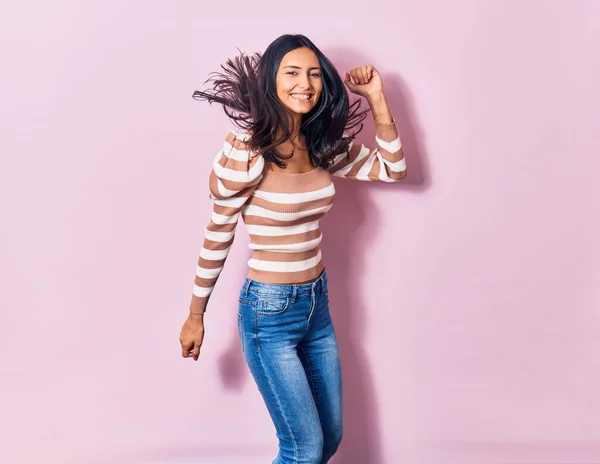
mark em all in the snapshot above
pixel 233 178
pixel 385 163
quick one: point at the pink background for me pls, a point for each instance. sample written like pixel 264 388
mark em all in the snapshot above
pixel 466 300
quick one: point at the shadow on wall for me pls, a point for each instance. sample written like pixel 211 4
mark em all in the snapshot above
pixel 344 250
pixel 348 229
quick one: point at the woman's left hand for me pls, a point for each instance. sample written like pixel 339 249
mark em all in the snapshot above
pixel 364 81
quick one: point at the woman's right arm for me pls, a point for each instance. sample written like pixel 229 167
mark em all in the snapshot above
pixel 233 178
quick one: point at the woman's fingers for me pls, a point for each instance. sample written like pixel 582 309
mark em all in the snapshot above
pixel 196 351
pixel 361 74
pixel 186 349
pixel 348 80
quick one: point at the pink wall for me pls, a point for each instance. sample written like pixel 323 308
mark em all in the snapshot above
pixel 468 314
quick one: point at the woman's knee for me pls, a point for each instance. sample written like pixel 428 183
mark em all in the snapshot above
pixel 307 450
pixel 308 453
pixel 313 454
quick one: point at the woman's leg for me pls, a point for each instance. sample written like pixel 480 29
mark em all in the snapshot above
pixel 318 352
pixel 270 330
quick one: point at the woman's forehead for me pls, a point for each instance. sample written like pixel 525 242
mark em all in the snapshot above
pixel 300 57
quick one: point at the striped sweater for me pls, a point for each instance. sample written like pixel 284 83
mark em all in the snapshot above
pixel 281 211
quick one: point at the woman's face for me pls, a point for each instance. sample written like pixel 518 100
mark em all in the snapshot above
pixel 299 83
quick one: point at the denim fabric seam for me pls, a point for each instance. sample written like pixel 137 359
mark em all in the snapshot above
pixel 268 294
pixel 312 308
pixel 281 408
pixel 256 331
pixel 310 376
pixel 240 329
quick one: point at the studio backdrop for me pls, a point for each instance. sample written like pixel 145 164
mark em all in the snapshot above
pixel 466 298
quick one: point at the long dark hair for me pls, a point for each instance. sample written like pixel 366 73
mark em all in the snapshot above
pixel 247 90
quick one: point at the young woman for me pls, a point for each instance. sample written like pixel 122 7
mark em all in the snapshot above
pixel 293 110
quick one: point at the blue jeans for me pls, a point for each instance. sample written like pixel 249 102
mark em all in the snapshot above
pixel 290 346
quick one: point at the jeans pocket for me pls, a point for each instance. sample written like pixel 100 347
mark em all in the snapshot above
pixel 247 300
pixel 272 306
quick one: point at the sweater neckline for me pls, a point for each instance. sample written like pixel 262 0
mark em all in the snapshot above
pixel 294 174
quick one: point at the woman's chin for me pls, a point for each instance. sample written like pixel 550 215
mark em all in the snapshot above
pixel 300 110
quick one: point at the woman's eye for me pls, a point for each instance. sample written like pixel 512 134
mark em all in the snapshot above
pixel 291 73
pixel 315 75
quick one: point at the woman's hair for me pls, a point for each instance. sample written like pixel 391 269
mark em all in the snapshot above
pixel 247 90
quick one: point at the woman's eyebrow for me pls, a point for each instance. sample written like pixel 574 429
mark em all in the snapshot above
pixel 298 67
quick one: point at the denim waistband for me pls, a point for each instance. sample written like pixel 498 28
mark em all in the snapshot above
pixel 318 286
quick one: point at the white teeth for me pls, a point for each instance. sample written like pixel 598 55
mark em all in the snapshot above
pixel 297 96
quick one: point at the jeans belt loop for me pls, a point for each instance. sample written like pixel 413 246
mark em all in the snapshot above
pixel 294 293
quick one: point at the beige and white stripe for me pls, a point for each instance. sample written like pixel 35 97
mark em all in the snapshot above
pixel 385 163
pixel 281 211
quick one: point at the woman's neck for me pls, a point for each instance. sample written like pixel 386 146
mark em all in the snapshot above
pixel 296 140
pixel 295 123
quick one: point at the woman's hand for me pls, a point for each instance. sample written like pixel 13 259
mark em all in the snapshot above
pixel 364 81
pixel 192 335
